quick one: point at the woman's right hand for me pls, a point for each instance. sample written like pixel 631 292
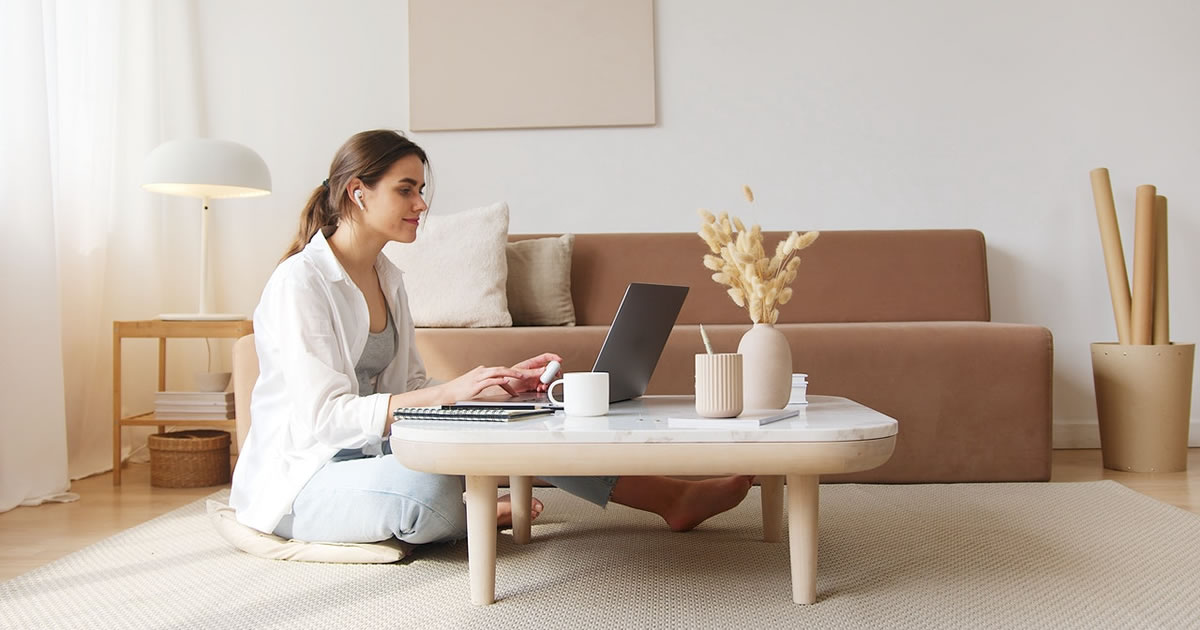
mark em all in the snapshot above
pixel 473 383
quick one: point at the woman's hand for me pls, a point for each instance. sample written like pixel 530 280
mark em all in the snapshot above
pixel 473 383
pixel 531 373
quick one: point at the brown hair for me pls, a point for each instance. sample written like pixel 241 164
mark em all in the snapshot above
pixel 366 155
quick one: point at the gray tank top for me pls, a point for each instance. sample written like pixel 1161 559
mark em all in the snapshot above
pixel 378 353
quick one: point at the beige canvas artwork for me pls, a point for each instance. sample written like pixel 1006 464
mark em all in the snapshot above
pixel 483 64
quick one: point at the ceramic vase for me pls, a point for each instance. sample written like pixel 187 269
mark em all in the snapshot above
pixel 766 368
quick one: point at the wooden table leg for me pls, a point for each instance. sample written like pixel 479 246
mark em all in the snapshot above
pixel 521 491
pixel 803 504
pixel 116 400
pixel 772 506
pixel 481 537
pixel 162 372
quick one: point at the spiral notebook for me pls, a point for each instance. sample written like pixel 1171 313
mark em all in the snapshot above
pixel 468 414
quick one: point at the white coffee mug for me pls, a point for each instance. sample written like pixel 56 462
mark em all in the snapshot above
pixel 584 393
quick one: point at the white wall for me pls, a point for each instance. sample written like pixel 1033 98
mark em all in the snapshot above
pixel 841 115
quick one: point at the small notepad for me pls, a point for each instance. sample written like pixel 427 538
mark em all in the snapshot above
pixel 748 419
pixel 470 414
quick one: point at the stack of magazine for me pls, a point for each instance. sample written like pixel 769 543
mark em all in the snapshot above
pixel 177 406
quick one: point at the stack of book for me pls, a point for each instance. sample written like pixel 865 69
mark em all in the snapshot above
pixel 799 390
pixel 177 406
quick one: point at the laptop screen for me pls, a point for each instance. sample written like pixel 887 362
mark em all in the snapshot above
pixel 630 351
pixel 638 336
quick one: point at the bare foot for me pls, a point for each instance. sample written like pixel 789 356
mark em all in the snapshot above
pixel 504 510
pixel 701 500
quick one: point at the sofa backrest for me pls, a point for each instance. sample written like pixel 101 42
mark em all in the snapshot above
pixel 845 276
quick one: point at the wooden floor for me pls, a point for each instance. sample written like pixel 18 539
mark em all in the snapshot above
pixel 33 536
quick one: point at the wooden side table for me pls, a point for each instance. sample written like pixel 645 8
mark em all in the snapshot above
pixel 163 330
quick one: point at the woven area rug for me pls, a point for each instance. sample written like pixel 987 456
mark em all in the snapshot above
pixel 1080 555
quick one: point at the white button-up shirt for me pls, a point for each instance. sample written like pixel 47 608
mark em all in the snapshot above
pixel 310 329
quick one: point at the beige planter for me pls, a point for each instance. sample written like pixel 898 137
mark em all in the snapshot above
pixel 1144 400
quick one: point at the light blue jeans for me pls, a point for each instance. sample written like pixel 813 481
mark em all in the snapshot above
pixel 368 499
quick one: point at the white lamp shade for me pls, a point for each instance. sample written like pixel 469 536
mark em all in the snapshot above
pixel 203 167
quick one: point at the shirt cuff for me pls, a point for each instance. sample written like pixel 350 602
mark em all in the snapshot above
pixel 380 416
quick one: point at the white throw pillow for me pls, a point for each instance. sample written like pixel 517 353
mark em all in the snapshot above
pixel 273 547
pixel 456 270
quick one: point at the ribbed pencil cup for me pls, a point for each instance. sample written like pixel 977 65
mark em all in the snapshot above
pixel 719 385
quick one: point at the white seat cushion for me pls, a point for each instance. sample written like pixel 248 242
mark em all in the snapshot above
pixel 274 547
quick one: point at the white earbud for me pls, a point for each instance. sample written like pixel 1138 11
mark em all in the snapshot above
pixel 550 372
pixel 358 199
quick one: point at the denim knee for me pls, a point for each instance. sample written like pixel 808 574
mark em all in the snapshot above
pixel 434 513
pixel 376 498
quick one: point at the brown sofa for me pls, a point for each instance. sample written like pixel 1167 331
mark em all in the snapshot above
pixel 898 320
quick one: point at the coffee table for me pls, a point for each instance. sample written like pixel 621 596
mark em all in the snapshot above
pixel 830 435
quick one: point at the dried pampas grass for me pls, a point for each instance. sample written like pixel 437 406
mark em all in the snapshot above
pixel 738 260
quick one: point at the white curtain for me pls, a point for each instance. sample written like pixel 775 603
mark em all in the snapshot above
pixel 33 453
pixel 90 88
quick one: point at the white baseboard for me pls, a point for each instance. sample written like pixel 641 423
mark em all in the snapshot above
pixel 1086 433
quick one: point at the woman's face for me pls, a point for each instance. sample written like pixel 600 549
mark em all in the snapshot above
pixel 394 206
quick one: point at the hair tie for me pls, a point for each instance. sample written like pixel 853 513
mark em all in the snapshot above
pixel 325 183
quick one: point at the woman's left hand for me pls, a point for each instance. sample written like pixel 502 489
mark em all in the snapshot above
pixel 532 370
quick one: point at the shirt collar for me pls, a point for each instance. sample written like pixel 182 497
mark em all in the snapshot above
pixel 329 266
pixel 322 256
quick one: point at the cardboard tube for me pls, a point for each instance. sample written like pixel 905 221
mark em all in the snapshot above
pixel 1114 254
pixel 1162 325
pixel 1142 312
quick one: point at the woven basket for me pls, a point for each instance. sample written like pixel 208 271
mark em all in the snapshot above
pixel 189 459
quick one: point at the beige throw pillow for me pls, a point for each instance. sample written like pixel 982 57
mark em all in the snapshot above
pixel 273 547
pixel 539 281
pixel 455 272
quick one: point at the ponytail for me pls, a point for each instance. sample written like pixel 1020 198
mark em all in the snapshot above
pixel 367 156
pixel 318 213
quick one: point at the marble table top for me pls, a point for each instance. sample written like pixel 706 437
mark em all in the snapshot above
pixel 645 419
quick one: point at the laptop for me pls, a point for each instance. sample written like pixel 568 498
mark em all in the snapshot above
pixel 631 350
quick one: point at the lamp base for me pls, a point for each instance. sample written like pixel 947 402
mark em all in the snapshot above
pixel 201 317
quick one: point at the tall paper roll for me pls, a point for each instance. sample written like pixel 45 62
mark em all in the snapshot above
pixel 1114 254
pixel 1162 326
pixel 1142 313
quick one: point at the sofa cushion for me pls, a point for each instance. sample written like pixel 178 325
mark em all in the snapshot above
pixel 974 399
pixel 456 271
pixel 539 281
pixel 846 276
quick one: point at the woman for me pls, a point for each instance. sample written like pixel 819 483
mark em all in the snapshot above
pixel 335 346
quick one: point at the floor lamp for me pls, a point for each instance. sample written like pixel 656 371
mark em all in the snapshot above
pixel 205 169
